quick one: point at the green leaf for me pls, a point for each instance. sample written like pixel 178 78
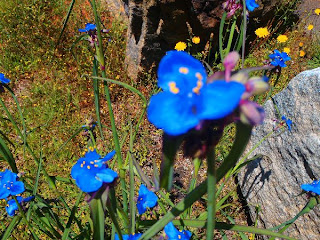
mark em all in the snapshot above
pixel 66 21
pixel 15 221
pixel 170 147
pixel 7 155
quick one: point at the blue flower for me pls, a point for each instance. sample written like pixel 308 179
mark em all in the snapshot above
pixel 3 79
pixel 175 234
pixel 288 122
pixel 279 59
pixel 146 199
pixel 12 205
pixel 9 184
pixel 251 5
pixel 90 172
pixel 313 187
pixel 129 237
pixel 187 97
pixel 89 27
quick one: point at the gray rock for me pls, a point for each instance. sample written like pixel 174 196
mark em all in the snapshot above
pixel 288 159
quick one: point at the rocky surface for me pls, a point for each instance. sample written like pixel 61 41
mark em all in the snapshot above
pixel 155 26
pixel 288 159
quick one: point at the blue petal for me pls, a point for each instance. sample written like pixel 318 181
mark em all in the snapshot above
pixel 313 187
pixel 168 71
pixel 91 156
pixel 171 231
pixel 143 190
pixel 218 99
pixel 4 193
pixel 88 183
pixel 251 5
pixel 172 113
pixel 17 188
pixel 109 156
pixel 124 237
pixel 3 79
pixel 107 175
pixel 141 208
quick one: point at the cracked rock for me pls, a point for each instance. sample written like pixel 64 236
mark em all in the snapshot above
pixel 286 160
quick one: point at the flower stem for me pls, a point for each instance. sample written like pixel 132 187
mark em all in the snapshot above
pixel 101 60
pixel 211 189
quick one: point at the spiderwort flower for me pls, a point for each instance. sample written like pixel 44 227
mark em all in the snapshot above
pixel 287 121
pixel 312 187
pixel 251 5
pixel 3 80
pixel 279 59
pixel 188 98
pixel 9 184
pixel 12 205
pixel 90 172
pixel 89 27
pixel 146 199
pixel 134 236
pixel 175 234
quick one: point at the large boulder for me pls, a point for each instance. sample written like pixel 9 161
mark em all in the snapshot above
pixel 155 26
pixel 287 160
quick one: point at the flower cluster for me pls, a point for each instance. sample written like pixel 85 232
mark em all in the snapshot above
pixel 279 58
pixel 10 186
pixel 91 171
pixel 251 5
pixel 188 98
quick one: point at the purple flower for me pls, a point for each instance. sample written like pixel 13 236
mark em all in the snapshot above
pixel 187 97
pixel 134 236
pixel 91 171
pixel 251 5
pixel 3 80
pixel 279 59
pixel 231 6
pixel 9 184
pixel 175 234
pixel 146 199
pixel 12 205
pixel 89 27
pixel 312 187
pixel 288 122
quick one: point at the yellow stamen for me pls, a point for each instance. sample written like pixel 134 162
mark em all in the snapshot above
pixel 199 76
pixel 96 165
pixel 184 70
pixel 173 87
pixel 196 89
pixel 81 165
pixel 88 167
pixel 91 162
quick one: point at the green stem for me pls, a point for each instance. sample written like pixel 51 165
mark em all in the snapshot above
pixel 244 32
pixel 132 187
pixel 101 60
pixel 233 27
pixel 24 217
pixel 211 189
pixel 223 19
pixel 97 216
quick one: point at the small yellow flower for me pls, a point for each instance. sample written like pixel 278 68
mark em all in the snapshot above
pixel 282 38
pixel 180 46
pixel 196 40
pixel 300 44
pixel 310 27
pixel 262 32
pixel 317 11
pixel 286 50
pixel 302 53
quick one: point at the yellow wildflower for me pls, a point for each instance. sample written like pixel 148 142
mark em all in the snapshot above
pixel 286 50
pixel 300 44
pixel 317 11
pixel 302 53
pixel 310 27
pixel 196 40
pixel 180 46
pixel 262 32
pixel 282 38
